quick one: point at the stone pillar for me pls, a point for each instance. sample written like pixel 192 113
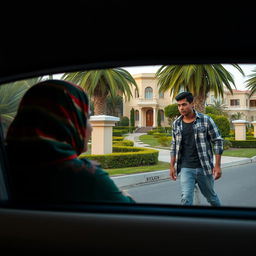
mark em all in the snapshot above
pixel 154 117
pixel 102 128
pixel 240 129
pixel 140 118
pixel 254 127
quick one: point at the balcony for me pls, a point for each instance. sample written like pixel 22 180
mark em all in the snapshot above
pixel 142 102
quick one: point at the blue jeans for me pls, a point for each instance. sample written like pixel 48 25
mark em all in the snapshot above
pixel 188 178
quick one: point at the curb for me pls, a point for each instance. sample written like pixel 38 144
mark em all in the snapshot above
pixel 157 176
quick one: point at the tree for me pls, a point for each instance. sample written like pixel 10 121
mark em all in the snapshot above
pixel 101 83
pixel 114 105
pixel 132 120
pixel 251 82
pixel 159 118
pixel 218 106
pixel 197 79
pixel 11 95
pixel 171 112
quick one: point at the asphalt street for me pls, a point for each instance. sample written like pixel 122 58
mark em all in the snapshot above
pixel 236 187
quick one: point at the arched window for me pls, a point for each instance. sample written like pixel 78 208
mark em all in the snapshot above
pixel 161 95
pixel 137 115
pixel 148 93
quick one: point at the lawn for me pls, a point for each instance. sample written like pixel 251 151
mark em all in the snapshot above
pixel 236 152
pixel 139 169
pixel 240 152
pixel 150 140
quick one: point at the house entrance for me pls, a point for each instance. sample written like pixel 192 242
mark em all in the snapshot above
pixel 149 117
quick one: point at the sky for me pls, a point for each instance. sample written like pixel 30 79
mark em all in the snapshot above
pixel 238 77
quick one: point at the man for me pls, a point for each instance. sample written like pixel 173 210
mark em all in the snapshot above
pixel 193 135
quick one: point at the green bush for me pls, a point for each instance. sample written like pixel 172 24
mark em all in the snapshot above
pixel 124 121
pixel 132 120
pixel 159 134
pixel 128 143
pixel 171 111
pixel 165 141
pixel 227 144
pixel 126 157
pixel 115 138
pixel 119 132
pixel 243 143
pixel 223 124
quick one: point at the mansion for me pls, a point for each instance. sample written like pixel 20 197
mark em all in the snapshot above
pixel 148 101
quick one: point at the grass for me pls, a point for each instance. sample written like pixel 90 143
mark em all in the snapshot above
pixel 139 169
pixel 150 140
pixel 240 152
pixel 235 152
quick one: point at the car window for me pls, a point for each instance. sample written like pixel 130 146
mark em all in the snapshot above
pixel 138 135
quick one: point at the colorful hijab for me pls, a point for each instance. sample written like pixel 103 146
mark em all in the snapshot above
pixel 50 125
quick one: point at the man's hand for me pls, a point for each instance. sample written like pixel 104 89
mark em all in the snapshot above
pixel 173 173
pixel 216 172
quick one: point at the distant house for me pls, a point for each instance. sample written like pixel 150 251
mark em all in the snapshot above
pixel 148 101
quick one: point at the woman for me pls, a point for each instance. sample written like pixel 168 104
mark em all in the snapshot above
pixel 49 132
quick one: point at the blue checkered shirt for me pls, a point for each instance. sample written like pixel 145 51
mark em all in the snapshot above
pixel 207 138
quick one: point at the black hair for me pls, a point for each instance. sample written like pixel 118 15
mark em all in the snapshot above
pixel 183 95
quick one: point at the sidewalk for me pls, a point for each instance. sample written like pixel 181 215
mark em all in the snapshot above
pixel 164 155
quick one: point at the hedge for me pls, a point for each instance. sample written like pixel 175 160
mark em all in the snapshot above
pixel 117 138
pixel 243 143
pixel 126 157
pixel 129 143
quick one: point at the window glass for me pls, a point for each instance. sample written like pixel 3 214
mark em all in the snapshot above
pixel 148 93
pixel 129 129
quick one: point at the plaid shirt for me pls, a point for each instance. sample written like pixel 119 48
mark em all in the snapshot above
pixel 207 138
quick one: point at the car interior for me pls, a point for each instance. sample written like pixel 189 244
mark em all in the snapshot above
pixel 45 38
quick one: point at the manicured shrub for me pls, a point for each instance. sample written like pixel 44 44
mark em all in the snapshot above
pixel 115 138
pixel 223 124
pixel 243 143
pixel 126 157
pixel 128 143
pixel 165 141
pixel 124 121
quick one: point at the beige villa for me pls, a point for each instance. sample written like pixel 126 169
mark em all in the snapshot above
pixel 147 101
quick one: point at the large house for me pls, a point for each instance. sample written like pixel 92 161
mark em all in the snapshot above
pixel 147 101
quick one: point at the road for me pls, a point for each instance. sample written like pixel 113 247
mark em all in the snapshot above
pixel 236 187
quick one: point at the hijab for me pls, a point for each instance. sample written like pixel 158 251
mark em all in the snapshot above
pixel 50 125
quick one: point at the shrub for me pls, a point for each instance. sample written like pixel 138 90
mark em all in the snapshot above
pixel 165 141
pixel 115 138
pixel 119 132
pixel 223 124
pixel 128 143
pixel 124 121
pixel 227 144
pixel 126 157
pixel 132 120
pixel 243 143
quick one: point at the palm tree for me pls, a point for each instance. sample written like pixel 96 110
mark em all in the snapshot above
pixel 101 83
pixel 11 95
pixel 251 82
pixel 198 79
pixel 220 106
pixel 114 105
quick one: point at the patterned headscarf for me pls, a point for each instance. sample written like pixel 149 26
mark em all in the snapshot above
pixel 50 125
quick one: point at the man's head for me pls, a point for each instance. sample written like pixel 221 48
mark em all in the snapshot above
pixel 185 103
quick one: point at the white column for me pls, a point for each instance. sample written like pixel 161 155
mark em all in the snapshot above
pixel 102 128
pixel 154 117
pixel 240 129
pixel 254 128
pixel 140 118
